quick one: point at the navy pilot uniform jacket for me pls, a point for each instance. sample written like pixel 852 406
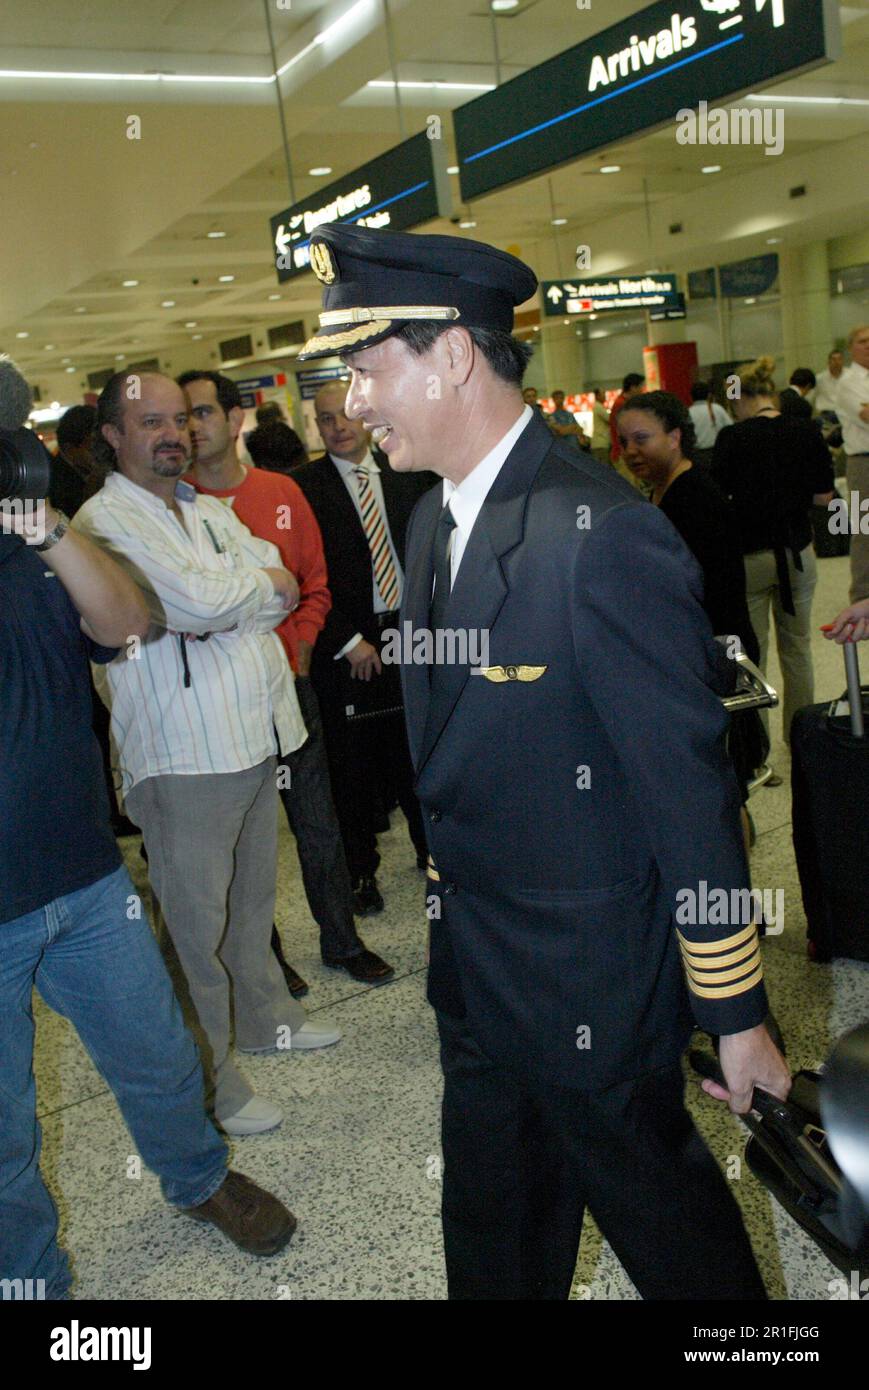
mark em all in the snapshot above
pixel 577 787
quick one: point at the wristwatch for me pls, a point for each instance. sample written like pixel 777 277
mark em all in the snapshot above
pixel 58 531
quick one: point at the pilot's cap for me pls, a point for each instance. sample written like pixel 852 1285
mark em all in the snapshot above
pixel 376 281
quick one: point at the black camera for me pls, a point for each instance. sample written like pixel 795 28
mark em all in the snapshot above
pixel 25 466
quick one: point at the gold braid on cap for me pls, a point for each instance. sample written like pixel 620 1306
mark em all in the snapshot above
pixel 336 341
pixel 388 311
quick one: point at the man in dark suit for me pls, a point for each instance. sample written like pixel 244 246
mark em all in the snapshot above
pixel 581 811
pixel 362 509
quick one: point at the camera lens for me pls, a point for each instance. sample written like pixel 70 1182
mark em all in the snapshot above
pixel 25 466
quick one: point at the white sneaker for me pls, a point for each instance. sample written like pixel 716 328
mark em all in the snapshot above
pixel 315 1032
pixel 256 1117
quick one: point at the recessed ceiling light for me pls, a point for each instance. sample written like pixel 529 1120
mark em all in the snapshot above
pixel 215 236
pixel 499 5
pixel 22 335
pixel 70 369
pixel 711 169
pixel 130 284
pixel 191 323
pixel 49 347
pixel 559 221
pixel 194 336
pixel 119 356
pixel 453 169
pixel 63 359
pixel 592 317
pixel 226 279
pixel 773 240
pixel 320 171
pixel 611 168
pixel 750 301
pixel 537 328
pixel 81 309
pixel 274 296
pixel 467 223
pixel 167 304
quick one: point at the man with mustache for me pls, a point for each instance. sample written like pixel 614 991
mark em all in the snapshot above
pixel 199 711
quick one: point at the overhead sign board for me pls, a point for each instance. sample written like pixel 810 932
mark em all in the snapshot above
pixel 252 388
pixel 402 188
pixel 634 77
pixel 607 293
pixel 670 311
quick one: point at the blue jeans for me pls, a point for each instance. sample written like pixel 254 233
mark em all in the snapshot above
pixel 103 972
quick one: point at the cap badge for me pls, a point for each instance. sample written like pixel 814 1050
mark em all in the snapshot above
pixel 323 263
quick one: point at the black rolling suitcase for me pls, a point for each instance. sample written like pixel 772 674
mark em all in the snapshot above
pixel 830 812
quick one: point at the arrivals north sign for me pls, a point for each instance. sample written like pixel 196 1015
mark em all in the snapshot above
pixel 604 294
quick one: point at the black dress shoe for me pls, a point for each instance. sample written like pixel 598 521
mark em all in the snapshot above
pixel 366 898
pixel 366 967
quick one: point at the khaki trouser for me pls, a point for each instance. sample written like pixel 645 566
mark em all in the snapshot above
pixel 858 481
pixel 793 632
pixel 212 842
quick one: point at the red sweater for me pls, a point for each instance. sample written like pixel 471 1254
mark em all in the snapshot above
pixel 274 508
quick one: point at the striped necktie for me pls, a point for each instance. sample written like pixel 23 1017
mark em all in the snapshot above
pixel 385 576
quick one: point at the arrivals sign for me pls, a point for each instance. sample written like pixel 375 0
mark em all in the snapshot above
pixel 634 77
pixel 607 293
pixel 400 189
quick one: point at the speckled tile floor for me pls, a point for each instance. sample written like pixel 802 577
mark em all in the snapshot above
pixel 357 1155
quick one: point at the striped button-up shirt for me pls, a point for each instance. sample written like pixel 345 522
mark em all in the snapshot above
pixel 180 706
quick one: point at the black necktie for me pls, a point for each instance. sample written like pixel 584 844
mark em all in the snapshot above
pixel 442 567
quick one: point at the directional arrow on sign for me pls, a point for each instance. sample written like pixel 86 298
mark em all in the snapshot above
pixel 282 240
pixel 555 293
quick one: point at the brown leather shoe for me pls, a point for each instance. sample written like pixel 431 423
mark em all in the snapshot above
pixel 368 968
pixel 252 1218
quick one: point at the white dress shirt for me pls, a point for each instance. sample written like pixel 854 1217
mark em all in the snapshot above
pixel 466 499
pixel 852 396
pixel 205 576
pixel 708 424
pixel 351 481
pixel 827 391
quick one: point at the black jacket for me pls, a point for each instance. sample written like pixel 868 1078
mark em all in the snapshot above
pixel 575 789
pixel 348 558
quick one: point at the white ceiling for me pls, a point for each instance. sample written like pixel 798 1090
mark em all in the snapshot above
pixel 86 208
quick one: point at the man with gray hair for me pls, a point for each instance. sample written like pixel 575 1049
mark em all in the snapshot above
pixel 852 407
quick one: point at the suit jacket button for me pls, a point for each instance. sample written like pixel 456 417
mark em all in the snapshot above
pixel 449 888
pixel 435 817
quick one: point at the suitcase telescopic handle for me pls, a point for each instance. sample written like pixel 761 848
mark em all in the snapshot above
pixel 855 699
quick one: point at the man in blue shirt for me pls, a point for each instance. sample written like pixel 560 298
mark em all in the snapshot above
pixel 71 923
